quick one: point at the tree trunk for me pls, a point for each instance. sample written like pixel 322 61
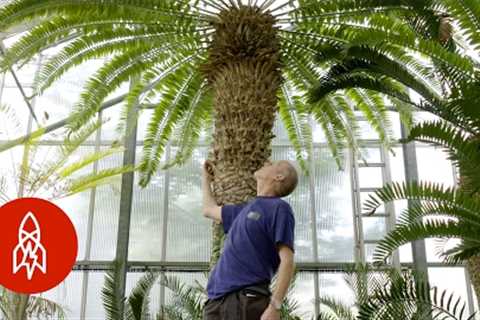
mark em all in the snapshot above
pixel 243 70
pixel 473 268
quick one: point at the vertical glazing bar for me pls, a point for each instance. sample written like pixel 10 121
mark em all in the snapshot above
pixel 126 195
pixel 313 217
pixel 411 174
pixel 359 246
pixel 163 256
pixel 91 213
pixel 468 285
pixel 389 207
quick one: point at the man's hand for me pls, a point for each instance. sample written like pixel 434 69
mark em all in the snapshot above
pixel 207 171
pixel 270 314
pixel 210 208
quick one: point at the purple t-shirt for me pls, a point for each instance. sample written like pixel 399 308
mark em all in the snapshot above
pixel 250 254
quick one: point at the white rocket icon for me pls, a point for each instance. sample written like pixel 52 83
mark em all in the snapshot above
pixel 29 252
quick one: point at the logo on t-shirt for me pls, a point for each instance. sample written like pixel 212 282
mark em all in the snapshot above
pixel 254 215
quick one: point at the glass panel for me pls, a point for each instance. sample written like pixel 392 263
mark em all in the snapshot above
pixel 332 284
pixel 143 121
pixel 147 219
pixel 370 155
pixel 303 292
pixel 370 177
pixel 94 305
pixel 451 279
pixel 107 205
pixel 369 251
pixel 301 204
pixel 333 201
pixel 441 172
pixel 397 169
pixel 9 172
pixel 111 118
pixel 25 75
pixel 189 233
pixel 374 228
pixel 12 98
pixel 281 136
pixel 68 294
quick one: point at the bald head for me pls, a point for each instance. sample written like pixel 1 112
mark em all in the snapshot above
pixel 287 185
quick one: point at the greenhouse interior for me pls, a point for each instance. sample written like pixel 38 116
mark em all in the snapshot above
pixel 122 113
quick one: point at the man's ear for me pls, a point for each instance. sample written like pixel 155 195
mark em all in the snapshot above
pixel 279 177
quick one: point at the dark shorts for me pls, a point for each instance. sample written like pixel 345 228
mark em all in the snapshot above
pixel 245 304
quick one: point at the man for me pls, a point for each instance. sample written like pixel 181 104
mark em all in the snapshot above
pixel 259 242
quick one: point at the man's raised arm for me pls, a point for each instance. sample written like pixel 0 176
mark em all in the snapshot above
pixel 210 208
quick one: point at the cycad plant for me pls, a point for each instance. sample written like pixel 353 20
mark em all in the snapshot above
pixel 228 64
pixel 394 295
pixel 56 178
pixel 441 211
pixel 187 301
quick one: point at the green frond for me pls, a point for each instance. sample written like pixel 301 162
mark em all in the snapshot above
pixel 187 301
pixel 111 302
pixel 467 13
pixel 180 90
pixel 333 127
pixel 92 180
pixel 421 191
pixel 138 299
pixel 357 80
pixel 70 145
pixel 119 70
pixel 187 131
pixel 20 11
pixel 39 307
pixel 338 308
pixel 405 299
pixel 153 82
pixel 372 105
pixel 67 171
pixel 292 111
pixel 116 42
pixel 407 233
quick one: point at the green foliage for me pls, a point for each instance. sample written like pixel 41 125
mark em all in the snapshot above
pixel 391 294
pixel 367 46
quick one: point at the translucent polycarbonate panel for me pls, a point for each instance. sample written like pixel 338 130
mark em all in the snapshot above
pixel 333 284
pixel 394 118
pixel 107 205
pixel 374 228
pixel 369 251
pixel 68 294
pixel 14 123
pixel 111 118
pixel 25 75
pixel 76 206
pixel 147 219
pixel 441 172
pixel 144 117
pixel 188 231
pixel 370 155
pixel 370 177
pixel 94 306
pixel 300 201
pixel 303 293
pixel 451 279
pixel 281 136
pixel 397 167
pixel 9 173
pixel 334 212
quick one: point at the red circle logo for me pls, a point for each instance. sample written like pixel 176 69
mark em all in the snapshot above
pixel 38 245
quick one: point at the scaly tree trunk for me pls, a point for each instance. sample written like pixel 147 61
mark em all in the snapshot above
pixel 473 267
pixel 244 74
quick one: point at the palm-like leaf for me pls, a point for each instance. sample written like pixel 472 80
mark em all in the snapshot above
pixel 163 44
